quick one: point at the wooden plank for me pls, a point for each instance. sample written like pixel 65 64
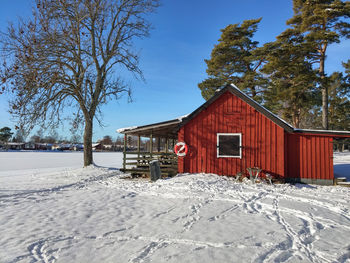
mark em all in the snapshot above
pixel 166 145
pixel 323 159
pixel 331 168
pixel 301 157
pixel 194 167
pixel 139 158
pixel 132 163
pixel 124 150
pixel 309 161
pixel 317 157
pixel 268 144
pixel 305 159
pixel 260 139
pixel 158 139
pixel 280 151
pixel 149 159
pixel 210 140
pixel 219 128
pixel 289 155
pixel 249 141
pixel 286 157
pixel 147 172
pixel 326 172
pixel 263 143
pixel 245 129
pixel 204 143
pixel 181 163
pixel 237 163
pixel 138 146
pixel 151 144
pixel 229 119
pixel 256 135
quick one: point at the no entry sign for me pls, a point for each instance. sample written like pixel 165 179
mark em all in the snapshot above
pixel 181 149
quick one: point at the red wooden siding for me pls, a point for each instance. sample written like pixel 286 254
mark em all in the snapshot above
pixel 262 139
pixel 309 157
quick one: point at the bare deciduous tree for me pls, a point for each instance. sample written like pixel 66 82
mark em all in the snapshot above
pixel 67 56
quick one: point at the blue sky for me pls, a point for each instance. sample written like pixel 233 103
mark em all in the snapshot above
pixel 172 58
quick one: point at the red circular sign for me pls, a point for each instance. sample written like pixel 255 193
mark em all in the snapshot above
pixel 181 149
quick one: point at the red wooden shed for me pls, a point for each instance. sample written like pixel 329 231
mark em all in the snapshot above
pixel 231 132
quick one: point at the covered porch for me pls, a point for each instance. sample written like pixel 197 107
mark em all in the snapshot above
pixel 160 140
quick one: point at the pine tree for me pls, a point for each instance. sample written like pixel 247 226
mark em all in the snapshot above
pixel 5 134
pixel 339 104
pixel 346 66
pixel 233 61
pixel 291 92
pixel 322 22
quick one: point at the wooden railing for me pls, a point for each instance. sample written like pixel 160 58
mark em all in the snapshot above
pixel 137 163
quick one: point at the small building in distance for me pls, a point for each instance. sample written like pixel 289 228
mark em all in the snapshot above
pixel 15 145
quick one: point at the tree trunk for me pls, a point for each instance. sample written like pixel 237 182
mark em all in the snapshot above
pixel 88 142
pixel 296 121
pixel 324 89
pixel 325 106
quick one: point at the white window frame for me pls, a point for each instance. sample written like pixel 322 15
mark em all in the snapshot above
pixel 229 156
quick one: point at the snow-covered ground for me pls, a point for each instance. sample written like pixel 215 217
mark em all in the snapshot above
pixel 53 211
pixel 342 165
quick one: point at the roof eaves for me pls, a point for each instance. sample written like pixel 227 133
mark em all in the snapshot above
pixel 149 126
pixel 324 132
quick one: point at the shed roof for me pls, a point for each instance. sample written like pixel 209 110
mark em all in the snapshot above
pixel 165 129
pixel 170 128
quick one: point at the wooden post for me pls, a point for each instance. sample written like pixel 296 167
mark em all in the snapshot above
pixel 124 151
pixel 158 144
pixel 138 147
pixel 180 160
pixel 166 144
pixel 151 144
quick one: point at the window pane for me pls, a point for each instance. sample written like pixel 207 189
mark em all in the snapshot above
pixel 229 145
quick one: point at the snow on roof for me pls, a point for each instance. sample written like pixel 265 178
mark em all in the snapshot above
pixel 121 130
pixel 15 143
pixel 182 117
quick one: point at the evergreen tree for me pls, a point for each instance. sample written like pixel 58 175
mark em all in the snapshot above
pixel 321 22
pixel 339 104
pixel 233 60
pixel 291 92
pixel 346 66
pixel 5 135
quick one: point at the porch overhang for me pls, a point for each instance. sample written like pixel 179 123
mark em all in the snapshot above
pixel 165 129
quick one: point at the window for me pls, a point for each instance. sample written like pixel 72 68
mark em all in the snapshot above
pixel 229 145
